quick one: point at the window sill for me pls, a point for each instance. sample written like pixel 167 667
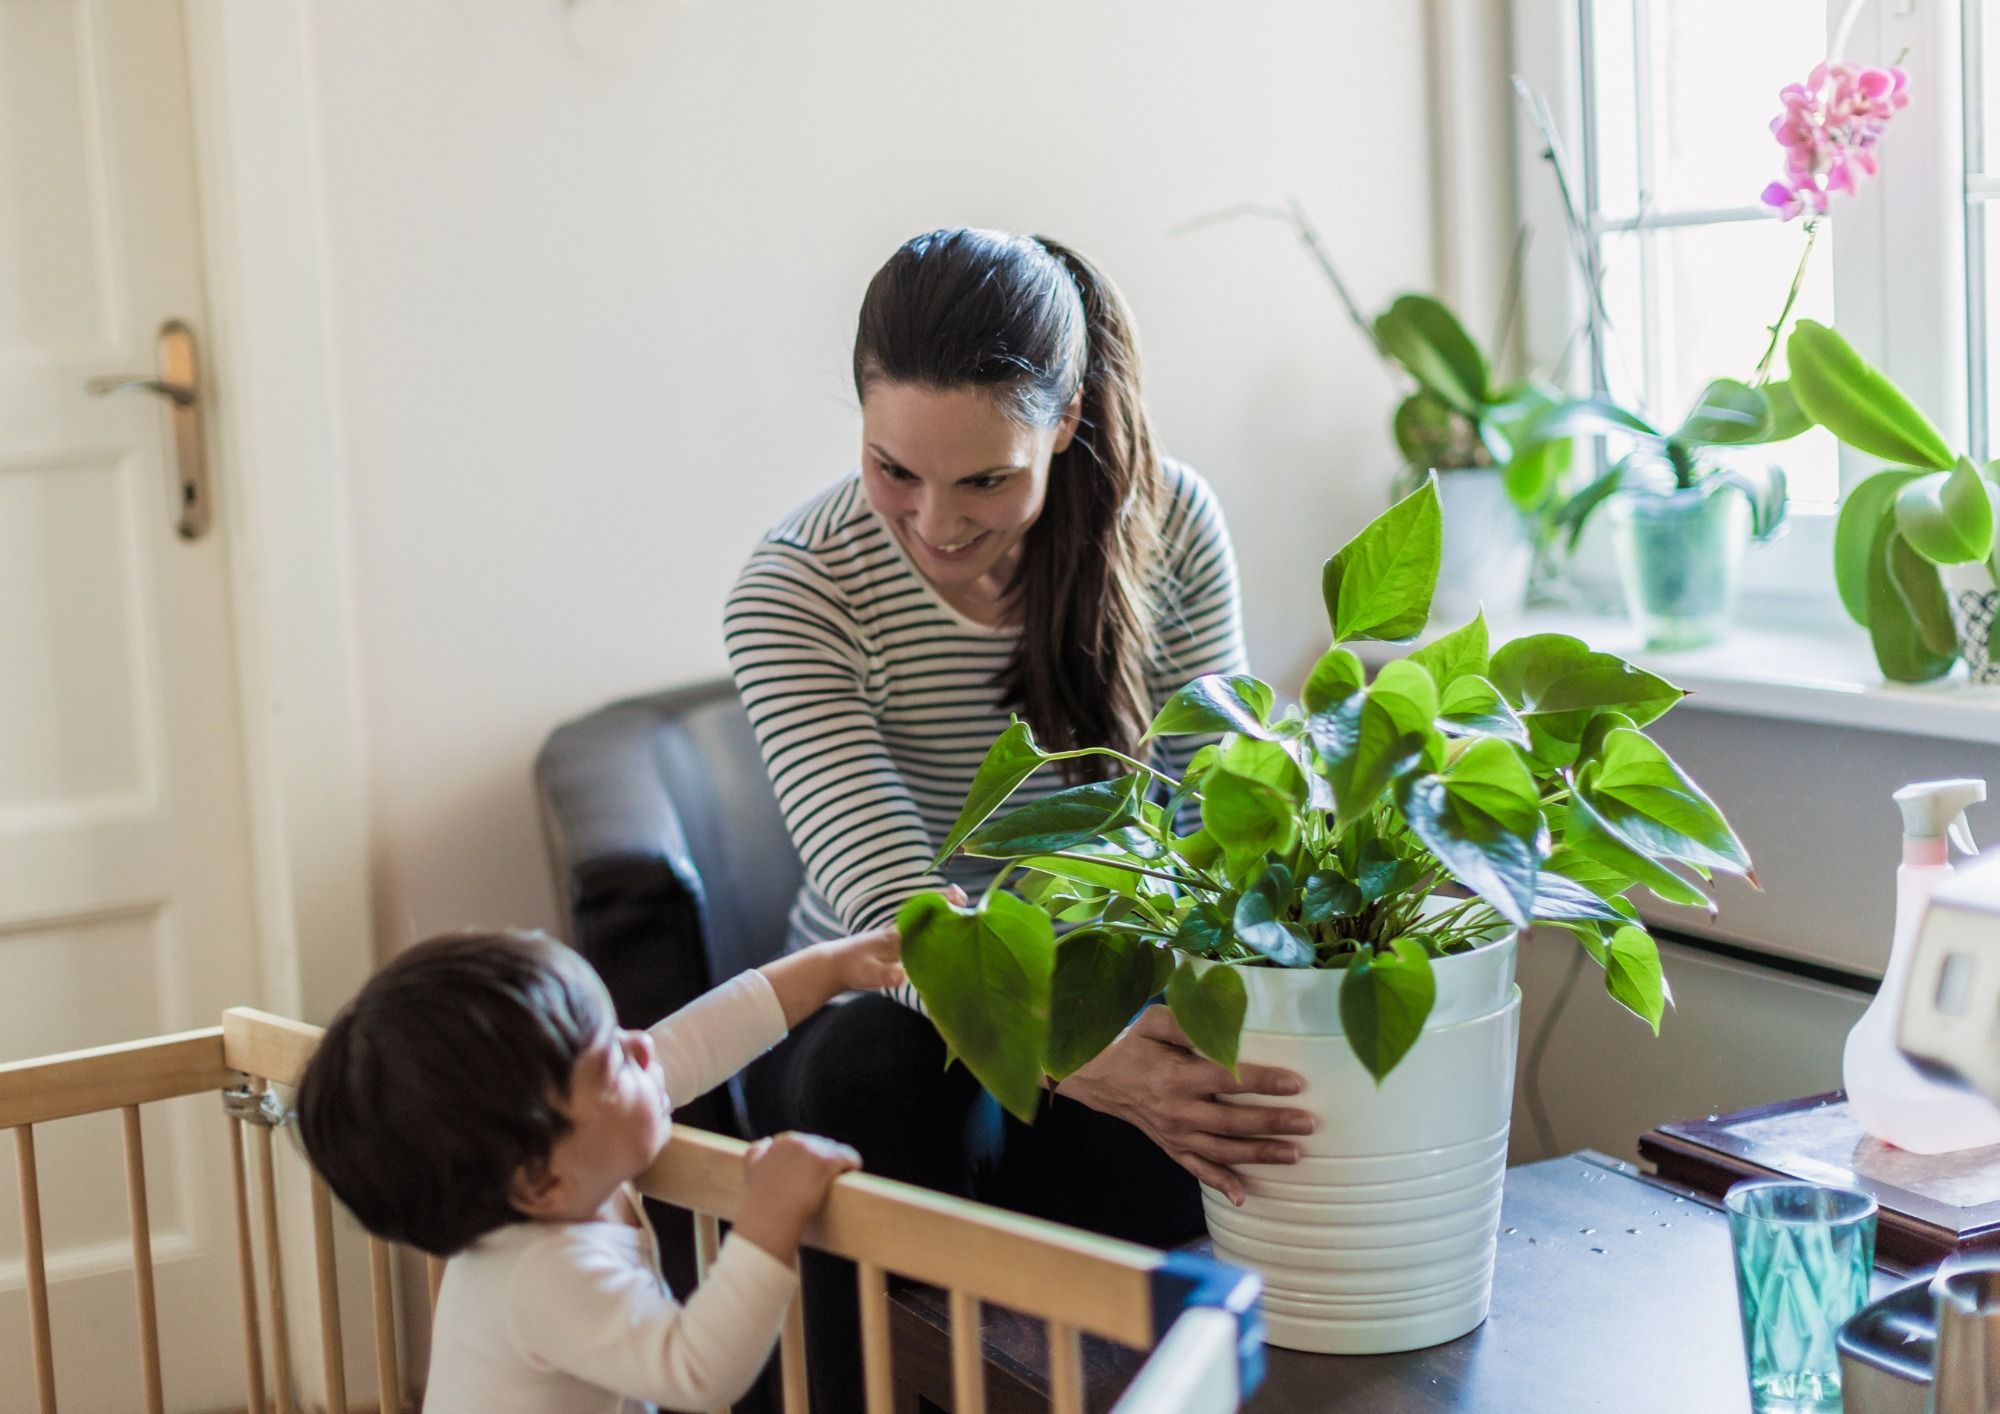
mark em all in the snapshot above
pixel 1805 674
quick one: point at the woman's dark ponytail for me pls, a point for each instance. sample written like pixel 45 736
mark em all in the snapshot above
pixel 1085 611
pixel 1036 323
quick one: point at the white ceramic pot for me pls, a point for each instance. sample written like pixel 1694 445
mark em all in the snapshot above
pixel 1381 1237
pixel 1488 550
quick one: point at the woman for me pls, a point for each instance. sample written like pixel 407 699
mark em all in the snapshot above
pixel 1010 543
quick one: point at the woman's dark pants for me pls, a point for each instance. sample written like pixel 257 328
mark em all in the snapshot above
pixel 870 1072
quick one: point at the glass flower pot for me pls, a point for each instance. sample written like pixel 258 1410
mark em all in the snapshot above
pixel 1680 557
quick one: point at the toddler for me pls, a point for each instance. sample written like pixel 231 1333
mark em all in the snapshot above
pixel 477 1100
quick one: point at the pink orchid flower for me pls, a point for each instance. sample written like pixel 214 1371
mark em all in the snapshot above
pixel 1829 130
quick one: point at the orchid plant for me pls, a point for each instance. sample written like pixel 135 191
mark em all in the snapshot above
pixel 1829 127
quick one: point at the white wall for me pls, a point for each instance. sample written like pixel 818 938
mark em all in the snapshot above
pixel 593 270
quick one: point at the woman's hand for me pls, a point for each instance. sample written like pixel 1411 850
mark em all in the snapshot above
pixel 1152 1077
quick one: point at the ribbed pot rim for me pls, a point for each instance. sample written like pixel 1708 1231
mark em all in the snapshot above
pixel 1305 1001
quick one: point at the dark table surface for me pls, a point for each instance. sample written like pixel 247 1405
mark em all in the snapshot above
pixel 1611 1290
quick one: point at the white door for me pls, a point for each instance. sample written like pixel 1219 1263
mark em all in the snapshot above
pixel 125 903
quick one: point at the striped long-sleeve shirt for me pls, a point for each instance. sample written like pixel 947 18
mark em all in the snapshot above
pixel 874 701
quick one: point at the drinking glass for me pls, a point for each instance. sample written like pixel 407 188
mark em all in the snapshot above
pixel 1803 1255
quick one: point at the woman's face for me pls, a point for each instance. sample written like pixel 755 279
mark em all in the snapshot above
pixel 957 479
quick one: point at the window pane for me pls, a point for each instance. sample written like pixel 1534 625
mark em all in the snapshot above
pixel 1988 20
pixel 1989 298
pixel 1614 109
pixel 1714 291
pixel 1708 92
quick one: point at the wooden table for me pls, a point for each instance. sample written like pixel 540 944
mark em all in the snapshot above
pixel 1612 1290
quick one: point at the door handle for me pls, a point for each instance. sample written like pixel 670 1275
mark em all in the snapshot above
pixel 179 382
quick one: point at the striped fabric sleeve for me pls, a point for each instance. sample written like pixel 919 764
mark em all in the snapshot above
pixel 1200 623
pixel 801 669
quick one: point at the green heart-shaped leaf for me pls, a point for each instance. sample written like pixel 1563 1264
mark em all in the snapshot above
pixel 1384 1001
pixel 1259 924
pixel 1379 584
pixel 1559 898
pixel 984 976
pixel 1109 877
pixel 1483 821
pixel 1632 974
pixel 1558 683
pixel 1101 980
pixel 1461 653
pixel 1011 759
pixel 1209 1005
pixel 1328 895
pixel 1373 736
pixel 1064 820
pixel 1252 799
pixel 1634 787
pixel 1474 707
pixel 1214 704
pixel 1588 835
pixel 1337 673
pixel 1851 398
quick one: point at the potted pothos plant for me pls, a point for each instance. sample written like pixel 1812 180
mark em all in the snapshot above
pixel 1913 551
pixel 1336 886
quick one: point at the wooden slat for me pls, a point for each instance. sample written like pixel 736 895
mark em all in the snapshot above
pixel 1065 1370
pixel 38 1275
pixel 968 1362
pixel 878 1380
pixel 142 1262
pixel 707 1244
pixel 271 1047
pixel 434 1278
pixel 381 1285
pixel 246 1272
pixel 107 1077
pixel 1098 1284
pixel 792 1357
pixel 274 1269
pixel 333 1357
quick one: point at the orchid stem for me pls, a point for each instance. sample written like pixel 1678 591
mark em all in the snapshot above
pixel 1763 372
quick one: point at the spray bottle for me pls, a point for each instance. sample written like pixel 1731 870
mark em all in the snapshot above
pixel 1885 1093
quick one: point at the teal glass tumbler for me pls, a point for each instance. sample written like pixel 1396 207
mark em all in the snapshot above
pixel 1803 1256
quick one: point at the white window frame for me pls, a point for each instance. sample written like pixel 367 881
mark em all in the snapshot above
pixel 1900 245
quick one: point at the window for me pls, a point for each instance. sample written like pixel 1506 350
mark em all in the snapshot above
pixel 1664 109
pixel 1675 149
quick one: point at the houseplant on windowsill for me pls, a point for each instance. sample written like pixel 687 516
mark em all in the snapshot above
pixel 1913 550
pixel 1337 888
pixel 1497 495
pixel 1684 504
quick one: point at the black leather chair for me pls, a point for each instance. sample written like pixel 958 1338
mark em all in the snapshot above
pixel 672 866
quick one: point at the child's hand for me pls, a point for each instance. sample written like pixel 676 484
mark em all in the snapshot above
pixel 866 961
pixel 787 1178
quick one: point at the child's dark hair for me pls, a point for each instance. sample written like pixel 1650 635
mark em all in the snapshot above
pixel 440 1081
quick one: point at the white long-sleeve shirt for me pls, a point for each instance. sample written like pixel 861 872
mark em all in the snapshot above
pixel 874 700
pixel 574 1318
